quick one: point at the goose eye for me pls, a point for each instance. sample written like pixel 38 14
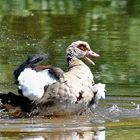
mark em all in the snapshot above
pixel 83 48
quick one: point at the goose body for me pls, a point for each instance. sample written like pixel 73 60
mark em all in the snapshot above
pixel 71 94
pixel 51 91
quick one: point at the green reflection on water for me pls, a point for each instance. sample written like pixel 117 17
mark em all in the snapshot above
pixel 48 26
pixel 111 27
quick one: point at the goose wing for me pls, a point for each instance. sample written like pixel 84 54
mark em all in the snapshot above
pixel 32 80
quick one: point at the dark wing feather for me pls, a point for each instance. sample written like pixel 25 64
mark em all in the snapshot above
pixel 30 62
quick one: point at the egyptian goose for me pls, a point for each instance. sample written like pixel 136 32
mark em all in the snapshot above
pixel 51 91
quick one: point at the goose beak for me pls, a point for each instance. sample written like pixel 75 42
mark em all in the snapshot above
pixel 91 54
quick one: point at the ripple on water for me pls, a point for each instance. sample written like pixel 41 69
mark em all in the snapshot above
pixel 112 109
pixel 94 125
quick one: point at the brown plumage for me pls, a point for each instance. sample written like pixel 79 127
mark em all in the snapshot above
pixel 72 92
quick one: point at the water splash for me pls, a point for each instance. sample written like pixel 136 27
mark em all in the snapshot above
pixel 112 109
pixel 116 111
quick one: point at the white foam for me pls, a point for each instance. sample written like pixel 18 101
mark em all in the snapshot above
pixel 32 83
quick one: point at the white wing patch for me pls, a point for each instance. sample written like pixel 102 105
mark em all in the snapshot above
pixel 99 89
pixel 32 83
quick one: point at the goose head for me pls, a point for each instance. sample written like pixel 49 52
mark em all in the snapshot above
pixel 80 49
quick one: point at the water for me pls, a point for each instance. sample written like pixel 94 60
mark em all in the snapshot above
pixel 112 119
pixel 111 27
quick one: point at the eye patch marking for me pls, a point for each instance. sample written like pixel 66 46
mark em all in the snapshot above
pixel 83 47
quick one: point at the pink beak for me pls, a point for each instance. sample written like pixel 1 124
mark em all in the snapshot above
pixel 92 54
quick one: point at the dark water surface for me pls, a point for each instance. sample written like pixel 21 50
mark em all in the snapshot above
pixel 111 27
